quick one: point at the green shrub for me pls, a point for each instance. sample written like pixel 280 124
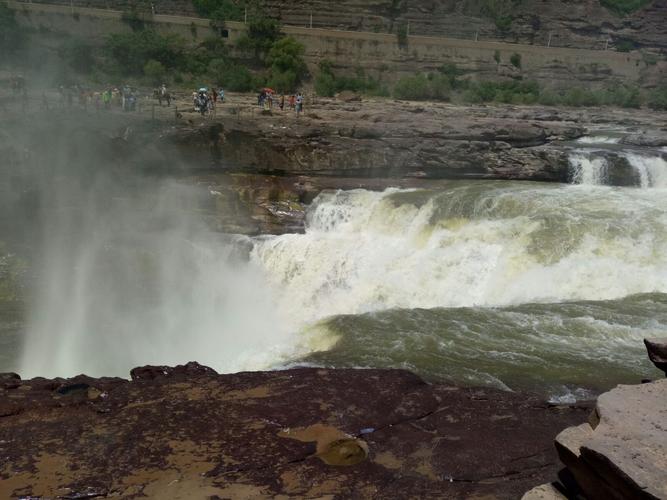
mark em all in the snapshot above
pixel 504 23
pixel 548 98
pixel 261 34
pixel 650 59
pixel 325 84
pixel 12 35
pixel 515 60
pixel 154 72
pixel 423 87
pixel 283 81
pixel 402 35
pixel 133 20
pixel 578 97
pixel 624 7
pixel 514 92
pixel 130 52
pixel 452 72
pixel 220 10
pixel 287 64
pixel 625 45
pixel 230 75
pixel 625 97
pixel 328 84
pixel 657 99
pixel 500 11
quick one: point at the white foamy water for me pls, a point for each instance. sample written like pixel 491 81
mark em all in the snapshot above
pixel 652 170
pixel 587 170
pixel 481 244
pixel 598 139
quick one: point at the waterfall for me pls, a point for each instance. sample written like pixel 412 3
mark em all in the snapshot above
pixel 652 170
pixel 588 170
pixel 473 245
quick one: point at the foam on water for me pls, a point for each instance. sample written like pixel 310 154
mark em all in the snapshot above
pixel 598 139
pixel 482 244
pixel 587 170
pixel 652 170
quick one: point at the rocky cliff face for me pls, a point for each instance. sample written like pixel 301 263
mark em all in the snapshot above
pixel 580 23
pixel 583 23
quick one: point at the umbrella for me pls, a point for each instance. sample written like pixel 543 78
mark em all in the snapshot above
pixel 203 89
pixel 269 90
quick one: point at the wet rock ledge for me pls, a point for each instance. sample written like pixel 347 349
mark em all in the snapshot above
pixel 187 432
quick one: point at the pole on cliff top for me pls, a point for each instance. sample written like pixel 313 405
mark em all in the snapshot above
pixel 311 20
pixel 549 42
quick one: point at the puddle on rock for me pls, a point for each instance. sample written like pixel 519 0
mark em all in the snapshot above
pixel 334 447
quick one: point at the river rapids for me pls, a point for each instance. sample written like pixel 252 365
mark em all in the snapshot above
pixel 520 286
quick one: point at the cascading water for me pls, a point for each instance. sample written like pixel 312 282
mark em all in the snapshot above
pixel 588 170
pixel 652 170
pixel 479 246
pixel 591 168
pixel 544 286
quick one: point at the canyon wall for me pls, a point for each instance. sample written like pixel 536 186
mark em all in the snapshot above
pixel 380 55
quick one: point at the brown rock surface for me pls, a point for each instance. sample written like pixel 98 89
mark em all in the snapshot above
pixel 622 454
pixel 190 433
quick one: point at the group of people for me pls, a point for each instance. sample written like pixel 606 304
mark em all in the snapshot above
pixel 125 98
pixel 205 100
pixel 295 102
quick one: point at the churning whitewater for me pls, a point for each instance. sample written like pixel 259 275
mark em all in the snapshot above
pixel 443 281
pixel 473 244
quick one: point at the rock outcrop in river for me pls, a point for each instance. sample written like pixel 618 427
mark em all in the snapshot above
pixel 621 452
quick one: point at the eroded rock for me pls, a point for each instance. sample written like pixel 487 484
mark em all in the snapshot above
pixel 625 455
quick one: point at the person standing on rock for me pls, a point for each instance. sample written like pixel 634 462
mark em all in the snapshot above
pixel 282 102
pixel 299 104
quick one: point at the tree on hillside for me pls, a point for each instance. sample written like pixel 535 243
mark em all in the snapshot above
pixel 287 64
pixel 131 51
pixel 221 10
pixel 260 36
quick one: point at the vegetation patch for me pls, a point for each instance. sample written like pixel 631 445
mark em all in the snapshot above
pixel 12 36
pixel 624 7
pixel 657 99
pixel 221 10
pixel 327 83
